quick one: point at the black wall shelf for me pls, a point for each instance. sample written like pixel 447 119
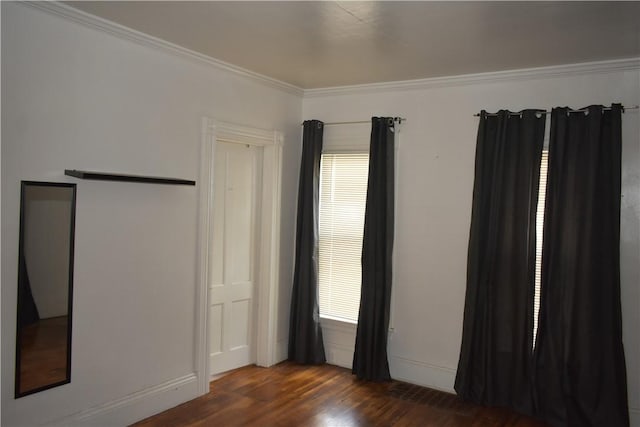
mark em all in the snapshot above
pixel 108 176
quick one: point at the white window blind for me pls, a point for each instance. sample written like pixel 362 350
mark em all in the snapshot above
pixel 343 194
pixel 542 194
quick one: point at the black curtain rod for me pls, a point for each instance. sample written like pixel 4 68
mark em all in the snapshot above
pixel 581 110
pixel 398 120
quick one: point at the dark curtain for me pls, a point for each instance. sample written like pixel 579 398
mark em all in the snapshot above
pixel 580 375
pixel 495 357
pixel 305 335
pixel 370 357
pixel 27 309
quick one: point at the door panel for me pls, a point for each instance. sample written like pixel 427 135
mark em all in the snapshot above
pixel 232 263
pixel 239 323
pixel 215 319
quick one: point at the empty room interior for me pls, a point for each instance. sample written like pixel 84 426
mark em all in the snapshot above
pixel 346 205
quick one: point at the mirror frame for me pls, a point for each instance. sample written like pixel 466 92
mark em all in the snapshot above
pixel 23 188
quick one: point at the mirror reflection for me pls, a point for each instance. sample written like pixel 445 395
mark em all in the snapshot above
pixel 45 284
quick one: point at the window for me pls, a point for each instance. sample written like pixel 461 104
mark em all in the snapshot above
pixel 343 195
pixel 542 194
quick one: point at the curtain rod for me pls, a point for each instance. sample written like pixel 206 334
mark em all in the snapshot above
pixel 580 110
pixel 398 120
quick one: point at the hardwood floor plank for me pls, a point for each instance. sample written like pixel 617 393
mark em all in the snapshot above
pixel 288 395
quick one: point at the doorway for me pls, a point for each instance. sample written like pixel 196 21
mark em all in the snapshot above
pixel 239 229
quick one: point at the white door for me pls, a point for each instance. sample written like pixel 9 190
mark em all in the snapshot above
pixel 232 285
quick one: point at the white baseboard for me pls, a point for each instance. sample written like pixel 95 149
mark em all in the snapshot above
pixel 136 406
pixel 421 373
pixel 634 417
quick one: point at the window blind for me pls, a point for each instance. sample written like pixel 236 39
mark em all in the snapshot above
pixel 542 194
pixel 343 194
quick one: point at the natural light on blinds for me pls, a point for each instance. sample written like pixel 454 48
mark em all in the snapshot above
pixel 343 194
pixel 542 194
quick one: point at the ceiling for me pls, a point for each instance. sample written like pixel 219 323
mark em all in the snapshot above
pixel 313 44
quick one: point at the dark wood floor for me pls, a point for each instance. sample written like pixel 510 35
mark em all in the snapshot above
pixel 292 395
pixel 43 353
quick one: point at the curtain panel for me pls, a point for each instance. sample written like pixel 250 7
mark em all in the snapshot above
pixel 495 358
pixel 370 360
pixel 305 334
pixel 28 310
pixel 580 364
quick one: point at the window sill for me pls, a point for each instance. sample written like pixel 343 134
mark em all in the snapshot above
pixel 338 324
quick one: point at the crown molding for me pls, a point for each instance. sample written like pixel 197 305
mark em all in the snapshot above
pixel 120 31
pixel 74 15
pixel 599 67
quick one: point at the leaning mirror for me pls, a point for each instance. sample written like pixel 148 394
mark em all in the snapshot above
pixel 45 286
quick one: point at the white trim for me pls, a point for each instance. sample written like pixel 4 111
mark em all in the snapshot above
pixel 205 206
pixel 269 251
pixel 337 322
pixel 120 31
pixel 422 373
pixel 94 22
pixel 136 406
pixel 339 325
pixel 617 65
pixel 228 132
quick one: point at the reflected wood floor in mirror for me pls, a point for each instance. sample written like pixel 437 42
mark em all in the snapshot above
pixel 44 353
pixel 293 395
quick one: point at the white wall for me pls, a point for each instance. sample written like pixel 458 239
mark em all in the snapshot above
pixel 77 98
pixel 435 183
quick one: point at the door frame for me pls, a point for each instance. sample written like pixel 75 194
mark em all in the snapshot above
pixel 268 254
